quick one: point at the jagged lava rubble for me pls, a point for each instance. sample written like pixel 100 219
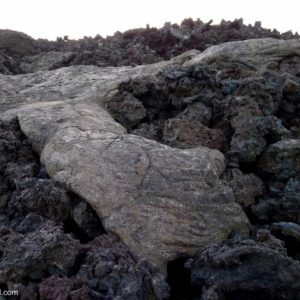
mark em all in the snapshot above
pixel 153 164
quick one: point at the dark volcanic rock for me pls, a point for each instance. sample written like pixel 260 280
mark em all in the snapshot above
pixel 46 61
pixel 246 187
pixel 240 98
pixel 8 65
pixel 253 120
pixel 282 159
pixel 41 196
pixel 282 204
pixel 88 152
pixel 174 109
pixel 106 271
pixel 17 42
pixel 35 255
pixel 133 47
pixel 290 234
pixel 149 45
pixel 182 133
pixel 52 243
pixel 27 191
pixel 251 134
pixel 244 270
pixel 13 47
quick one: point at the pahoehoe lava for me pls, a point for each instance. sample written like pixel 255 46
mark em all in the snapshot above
pixel 153 164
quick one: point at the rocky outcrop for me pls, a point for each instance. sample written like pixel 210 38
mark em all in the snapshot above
pixel 17 42
pixel 74 84
pixel 138 187
pixel 254 270
pixel 174 157
pixel 45 61
pixel 52 243
pixel 133 47
pixel 253 55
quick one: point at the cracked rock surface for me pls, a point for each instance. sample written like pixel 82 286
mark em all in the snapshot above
pixel 195 157
pixel 137 186
pixel 53 244
pixel 134 47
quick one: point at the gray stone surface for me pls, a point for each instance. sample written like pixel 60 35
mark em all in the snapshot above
pixel 17 42
pixel 163 202
pixel 72 84
pixel 45 61
pixel 255 54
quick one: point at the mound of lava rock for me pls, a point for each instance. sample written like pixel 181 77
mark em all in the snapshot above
pixel 153 151
pixel 52 243
pixel 254 121
pixel 21 54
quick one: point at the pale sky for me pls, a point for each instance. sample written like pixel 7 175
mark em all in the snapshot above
pixel 77 18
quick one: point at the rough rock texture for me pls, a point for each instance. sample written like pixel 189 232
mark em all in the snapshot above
pixel 246 187
pixel 244 270
pixel 131 48
pixel 27 193
pixel 175 158
pixel 36 253
pixel 73 84
pixel 253 55
pixel 252 120
pixel 17 42
pixel 45 61
pixel 7 64
pixel 137 186
pixel 52 243
pixel 290 234
pixel 281 159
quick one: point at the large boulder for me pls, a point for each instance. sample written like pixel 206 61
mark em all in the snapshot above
pixel 163 202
